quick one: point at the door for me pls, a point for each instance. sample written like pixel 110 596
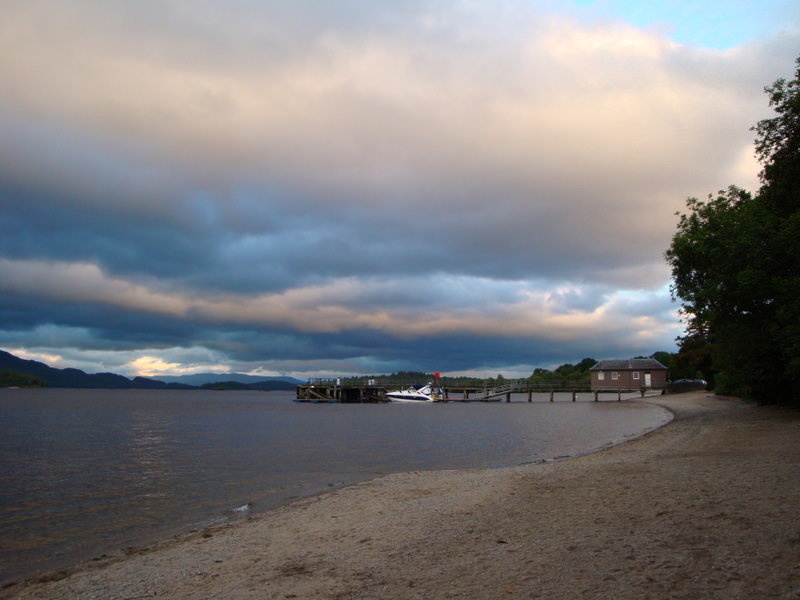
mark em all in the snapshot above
pixel 648 380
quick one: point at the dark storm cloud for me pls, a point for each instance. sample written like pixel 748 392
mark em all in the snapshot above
pixel 276 185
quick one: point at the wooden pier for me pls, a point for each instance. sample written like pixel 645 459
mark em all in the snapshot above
pixel 373 390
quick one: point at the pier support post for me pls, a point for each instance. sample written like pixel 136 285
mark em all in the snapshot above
pixel 530 396
pixel 574 395
pixel 596 394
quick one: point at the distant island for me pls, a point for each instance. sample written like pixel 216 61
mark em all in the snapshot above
pixel 18 372
pixel 13 379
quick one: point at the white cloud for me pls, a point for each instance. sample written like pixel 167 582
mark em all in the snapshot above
pixel 52 359
pixel 84 283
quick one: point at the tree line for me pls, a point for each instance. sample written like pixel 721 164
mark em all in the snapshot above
pixel 577 374
pixel 735 262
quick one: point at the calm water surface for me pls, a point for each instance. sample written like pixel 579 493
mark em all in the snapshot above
pixel 86 472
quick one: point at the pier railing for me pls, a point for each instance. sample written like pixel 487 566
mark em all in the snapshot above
pixel 514 385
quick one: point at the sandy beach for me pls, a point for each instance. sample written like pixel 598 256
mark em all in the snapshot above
pixel 705 507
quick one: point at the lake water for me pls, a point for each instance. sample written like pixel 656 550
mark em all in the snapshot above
pixel 87 472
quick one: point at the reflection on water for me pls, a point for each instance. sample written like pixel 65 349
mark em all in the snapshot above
pixel 84 472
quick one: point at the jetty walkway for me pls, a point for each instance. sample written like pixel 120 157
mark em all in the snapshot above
pixel 477 390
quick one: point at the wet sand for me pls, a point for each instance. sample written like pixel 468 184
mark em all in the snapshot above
pixel 705 507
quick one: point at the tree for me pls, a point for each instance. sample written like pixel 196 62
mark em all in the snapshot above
pixel 778 149
pixel 572 374
pixel 735 266
pixel 693 360
pixel 778 146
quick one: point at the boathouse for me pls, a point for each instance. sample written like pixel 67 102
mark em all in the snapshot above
pixel 630 374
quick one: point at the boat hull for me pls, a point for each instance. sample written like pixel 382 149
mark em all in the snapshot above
pixel 399 397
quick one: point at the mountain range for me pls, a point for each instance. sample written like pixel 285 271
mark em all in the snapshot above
pixel 204 378
pixel 75 378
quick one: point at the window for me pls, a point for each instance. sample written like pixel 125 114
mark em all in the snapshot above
pixel 614 375
pixel 636 374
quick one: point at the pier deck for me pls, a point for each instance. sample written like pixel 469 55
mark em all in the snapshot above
pixel 325 390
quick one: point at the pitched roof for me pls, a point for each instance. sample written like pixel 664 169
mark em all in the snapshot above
pixel 631 364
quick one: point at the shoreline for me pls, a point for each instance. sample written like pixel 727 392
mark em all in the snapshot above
pixel 704 506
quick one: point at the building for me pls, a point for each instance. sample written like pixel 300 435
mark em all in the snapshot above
pixel 630 374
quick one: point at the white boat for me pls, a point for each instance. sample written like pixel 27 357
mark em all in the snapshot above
pixel 426 393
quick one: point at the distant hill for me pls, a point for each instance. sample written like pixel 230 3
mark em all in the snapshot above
pixel 263 385
pixel 205 378
pixel 75 378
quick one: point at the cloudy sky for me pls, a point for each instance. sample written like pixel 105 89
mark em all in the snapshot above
pixel 326 188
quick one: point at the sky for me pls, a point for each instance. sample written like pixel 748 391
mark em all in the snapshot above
pixel 365 186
